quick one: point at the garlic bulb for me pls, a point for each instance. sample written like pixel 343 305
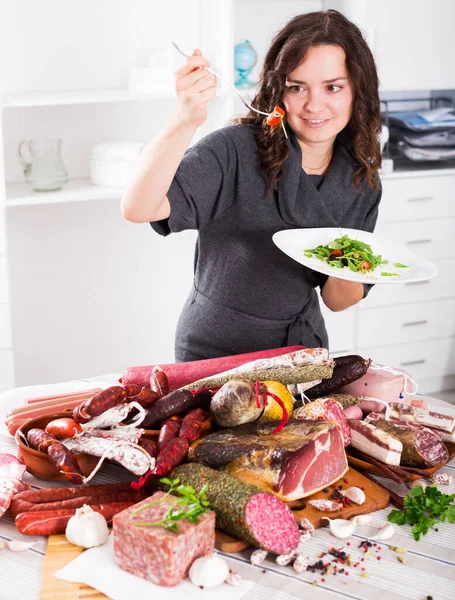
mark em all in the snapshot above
pixel 418 483
pixel 341 528
pixel 355 494
pixel 208 571
pixel 87 528
pixel 384 533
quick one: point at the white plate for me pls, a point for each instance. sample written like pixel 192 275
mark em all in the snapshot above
pixel 293 242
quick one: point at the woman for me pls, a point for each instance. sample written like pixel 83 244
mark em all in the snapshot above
pixel 242 183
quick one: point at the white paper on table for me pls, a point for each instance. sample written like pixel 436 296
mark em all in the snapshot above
pixel 107 577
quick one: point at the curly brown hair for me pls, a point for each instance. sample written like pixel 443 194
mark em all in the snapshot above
pixel 287 51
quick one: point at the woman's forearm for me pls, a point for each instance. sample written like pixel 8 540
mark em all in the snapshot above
pixel 339 294
pixel 144 198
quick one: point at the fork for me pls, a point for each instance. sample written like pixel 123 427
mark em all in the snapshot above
pixel 226 81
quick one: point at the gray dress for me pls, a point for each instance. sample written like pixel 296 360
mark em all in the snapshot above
pixel 247 294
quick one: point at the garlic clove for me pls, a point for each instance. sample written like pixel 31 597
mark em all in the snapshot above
pixel 418 483
pixel 341 528
pixel 355 494
pixel 19 545
pixel 384 533
pixel 208 571
pixel 362 519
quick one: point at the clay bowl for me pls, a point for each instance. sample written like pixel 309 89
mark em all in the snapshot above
pixel 38 463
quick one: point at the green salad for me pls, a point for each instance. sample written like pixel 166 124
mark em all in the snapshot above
pixel 346 253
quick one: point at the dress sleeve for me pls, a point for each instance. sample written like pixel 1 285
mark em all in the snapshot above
pixel 200 186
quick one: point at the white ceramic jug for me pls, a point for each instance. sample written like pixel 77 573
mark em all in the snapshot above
pixel 43 165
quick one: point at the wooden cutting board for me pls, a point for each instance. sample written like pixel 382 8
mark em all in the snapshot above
pixel 376 498
pixel 60 552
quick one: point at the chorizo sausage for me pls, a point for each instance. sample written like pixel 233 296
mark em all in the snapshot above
pixel 171 456
pixel 169 430
pixel 51 522
pixel 18 506
pixel 64 427
pixel 159 382
pixel 173 403
pixel 65 462
pixel 192 424
pixel 103 401
pixel 39 439
pixel 149 446
pixel 56 494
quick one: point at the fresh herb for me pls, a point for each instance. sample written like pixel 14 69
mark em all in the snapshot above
pixel 423 509
pixel 345 252
pixel 400 266
pixel 191 505
pixel 385 274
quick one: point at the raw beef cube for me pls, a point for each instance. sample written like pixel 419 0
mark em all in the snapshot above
pixel 154 552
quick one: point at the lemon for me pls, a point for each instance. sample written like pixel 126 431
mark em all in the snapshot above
pixel 272 409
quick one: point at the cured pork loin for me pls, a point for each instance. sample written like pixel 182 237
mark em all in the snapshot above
pixel 421 447
pixel 306 456
pixel 444 424
pixel 375 442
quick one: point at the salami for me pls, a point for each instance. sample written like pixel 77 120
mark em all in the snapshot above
pixel 343 373
pixel 103 401
pixel 174 403
pixel 244 510
pixel 169 430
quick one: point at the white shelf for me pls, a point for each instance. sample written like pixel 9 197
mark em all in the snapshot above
pixel 58 98
pixel 76 190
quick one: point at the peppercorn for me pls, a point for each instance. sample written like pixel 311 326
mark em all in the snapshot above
pixel 326 490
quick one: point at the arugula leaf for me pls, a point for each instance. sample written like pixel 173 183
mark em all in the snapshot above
pixel 424 509
pixel 400 266
pixel 191 505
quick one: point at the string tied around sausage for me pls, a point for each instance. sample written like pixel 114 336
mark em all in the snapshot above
pixel 408 380
pixel 265 395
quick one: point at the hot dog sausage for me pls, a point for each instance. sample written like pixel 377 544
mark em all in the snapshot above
pixel 169 430
pixel 51 522
pixel 64 427
pixel 167 406
pixel 170 456
pixel 103 401
pixel 192 424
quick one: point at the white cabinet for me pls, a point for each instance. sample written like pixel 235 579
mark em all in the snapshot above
pixel 412 40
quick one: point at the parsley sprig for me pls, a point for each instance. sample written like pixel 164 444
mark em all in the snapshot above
pixel 191 505
pixel 423 509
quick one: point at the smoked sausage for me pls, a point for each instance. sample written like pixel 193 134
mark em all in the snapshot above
pixel 150 446
pixel 173 403
pixel 56 494
pixel 64 427
pixel 159 381
pixel 192 424
pixel 62 458
pixel 103 401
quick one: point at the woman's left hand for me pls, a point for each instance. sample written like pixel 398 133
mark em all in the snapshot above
pixel 339 294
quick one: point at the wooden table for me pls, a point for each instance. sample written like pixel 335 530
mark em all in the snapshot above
pixel 428 569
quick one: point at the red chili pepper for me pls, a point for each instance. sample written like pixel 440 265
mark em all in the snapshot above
pixel 275 117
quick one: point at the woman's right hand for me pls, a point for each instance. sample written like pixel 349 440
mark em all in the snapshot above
pixel 194 86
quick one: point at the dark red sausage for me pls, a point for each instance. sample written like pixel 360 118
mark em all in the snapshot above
pixel 169 430
pixel 167 406
pixel 51 522
pixel 20 506
pixel 79 414
pixel 103 401
pixel 150 446
pixel 147 397
pixel 342 375
pixel 159 381
pixel 192 424
pixel 55 494
pixel 65 427
pixel 171 456
pixel 340 361
pixel 132 390
pixel 65 462
pixel 39 439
